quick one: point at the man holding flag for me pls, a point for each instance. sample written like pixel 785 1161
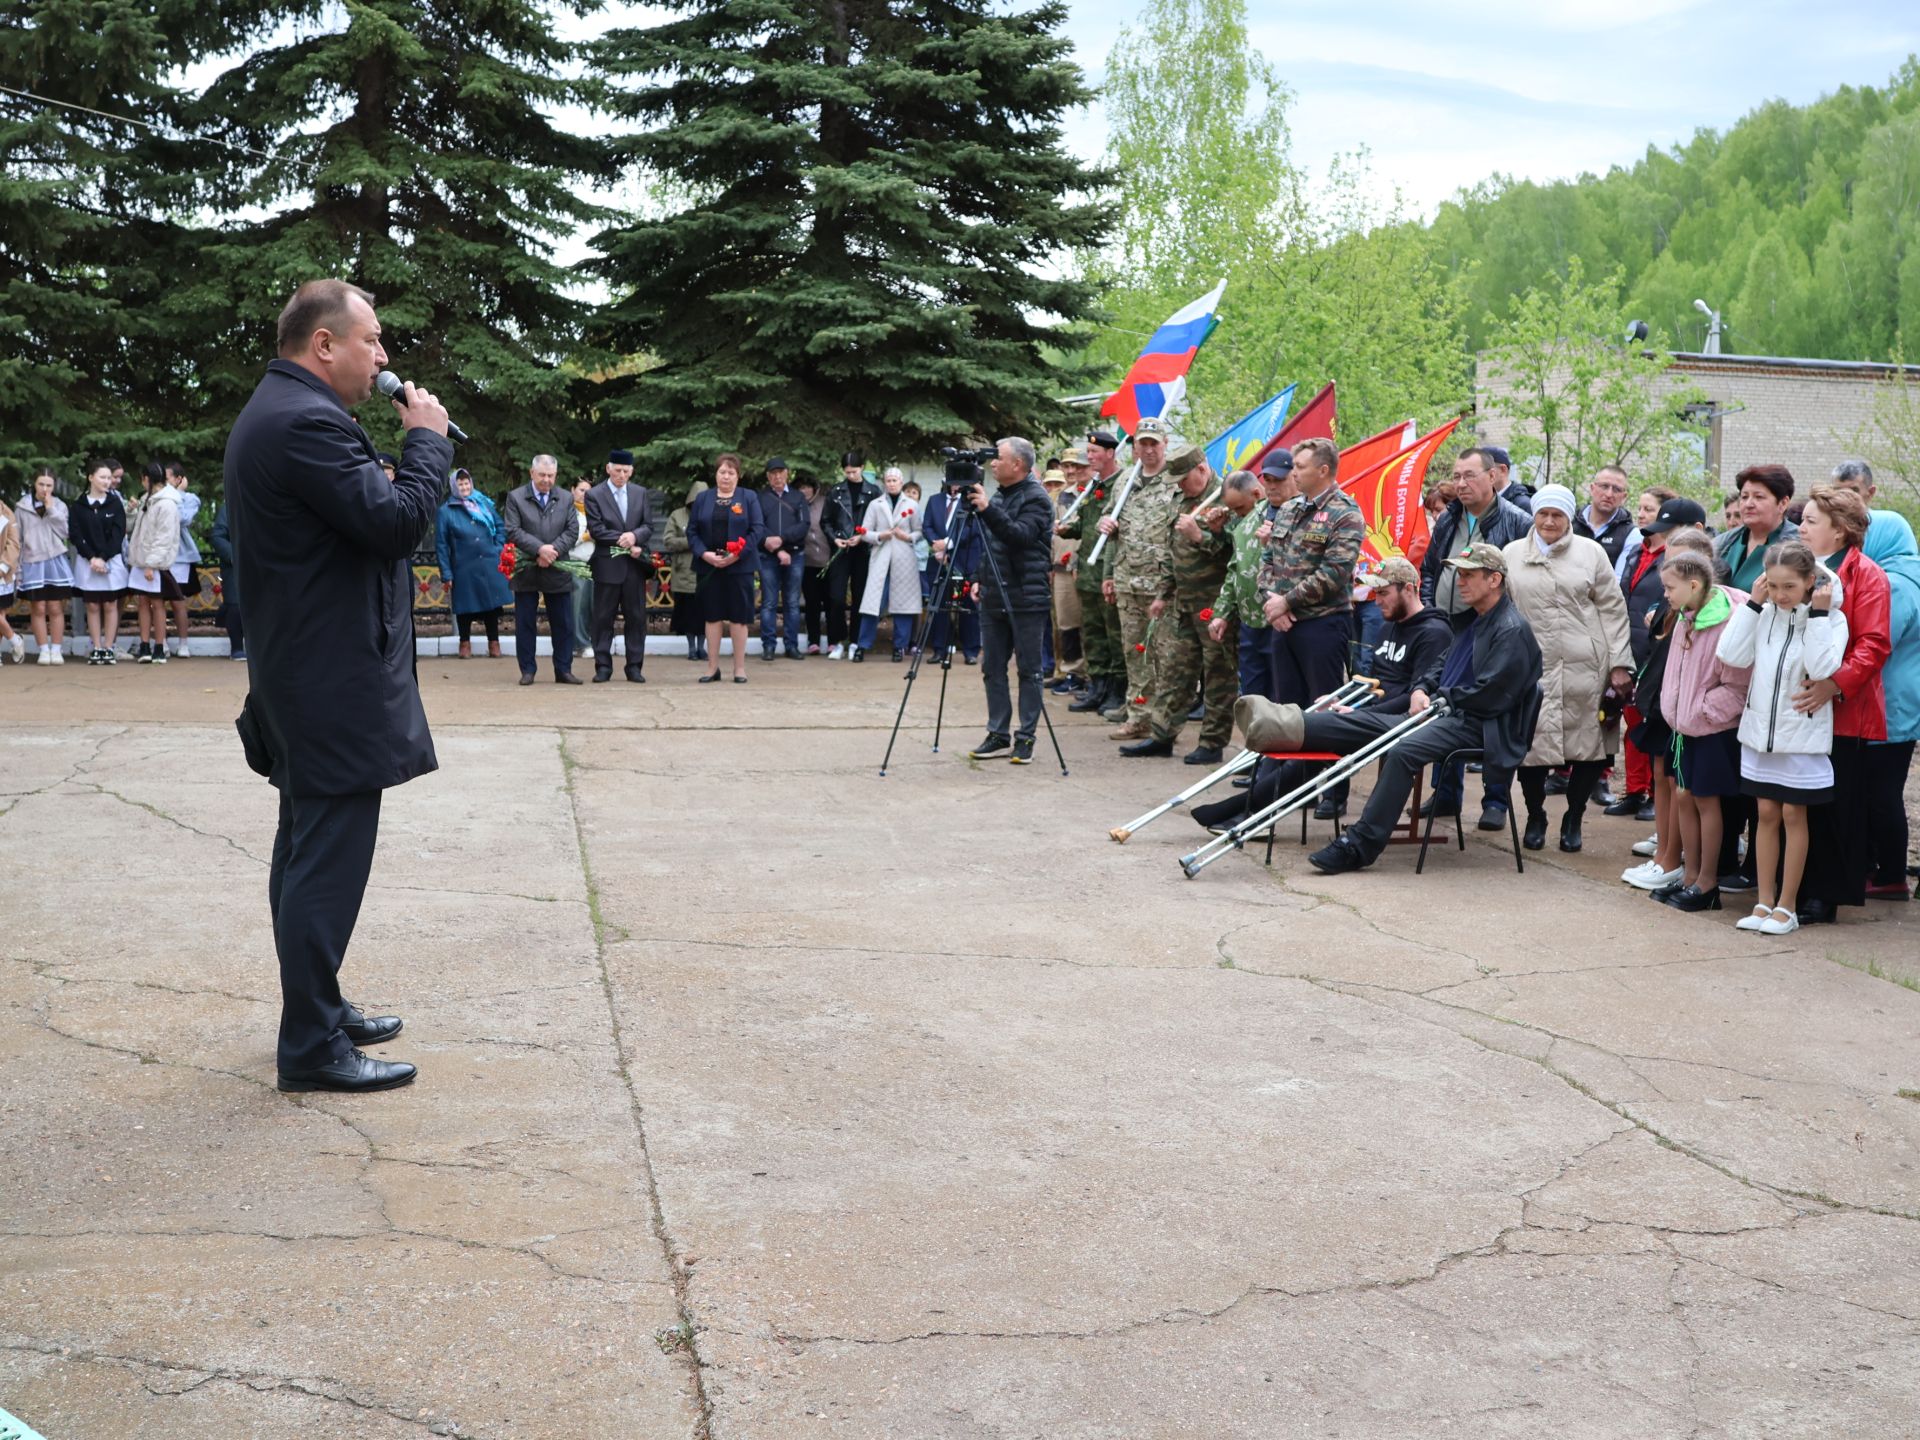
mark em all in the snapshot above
pixel 1140 539
pixel 1099 622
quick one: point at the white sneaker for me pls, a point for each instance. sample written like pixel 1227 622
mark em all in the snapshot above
pixel 838 652
pixel 1761 914
pixel 1652 877
pixel 1648 846
pixel 1648 867
pixel 182 653
pixel 19 649
pixel 46 655
pixel 1774 925
pixel 59 655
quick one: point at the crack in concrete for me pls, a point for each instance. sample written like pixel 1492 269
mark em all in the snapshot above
pixel 175 820
pixel 337 1391
pixel 686 1330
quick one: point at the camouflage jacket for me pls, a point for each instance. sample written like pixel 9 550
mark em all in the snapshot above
pixel 1240 591
pixel 1311 556
pixel 1082 527
pixel 1198 566
pixel 1142 551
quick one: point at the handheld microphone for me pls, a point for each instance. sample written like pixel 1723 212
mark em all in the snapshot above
pixel 394 388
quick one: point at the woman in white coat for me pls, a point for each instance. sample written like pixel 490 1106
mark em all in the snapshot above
pixel 153 545
pixel 891 526
pixel 1565 587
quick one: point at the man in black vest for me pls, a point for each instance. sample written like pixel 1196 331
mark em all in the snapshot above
pixel 321 537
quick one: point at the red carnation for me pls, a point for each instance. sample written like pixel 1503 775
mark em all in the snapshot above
pixel 1099 494
pixel 658 558
pixel 1066 557
pixel 859 529
pixel 1139 699
pixel 1140 647
pixel 1207 614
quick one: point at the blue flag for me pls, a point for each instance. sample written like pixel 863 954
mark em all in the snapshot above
pixel 1240 442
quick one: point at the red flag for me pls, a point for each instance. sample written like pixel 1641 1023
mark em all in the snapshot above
pixel 1389 498
pixel 1316 419
pixel 1360 458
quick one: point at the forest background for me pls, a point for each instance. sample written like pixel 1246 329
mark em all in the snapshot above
pixel 861 228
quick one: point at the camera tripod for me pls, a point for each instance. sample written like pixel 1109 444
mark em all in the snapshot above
pixel 948 588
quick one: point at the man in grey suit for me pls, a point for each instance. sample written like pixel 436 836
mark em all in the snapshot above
pixel 620 520
pixel 543 525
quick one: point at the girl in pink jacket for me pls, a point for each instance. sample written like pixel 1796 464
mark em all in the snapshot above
pixel 1701 699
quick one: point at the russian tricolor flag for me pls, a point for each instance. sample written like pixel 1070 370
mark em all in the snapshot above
pixel 1159 377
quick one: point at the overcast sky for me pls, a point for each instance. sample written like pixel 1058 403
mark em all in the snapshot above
pixel 1446 95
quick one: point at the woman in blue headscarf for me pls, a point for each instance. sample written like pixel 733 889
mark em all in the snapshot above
pixel 1890 545
pixel 468 534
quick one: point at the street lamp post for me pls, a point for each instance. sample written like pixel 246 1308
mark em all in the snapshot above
pixel 1713 326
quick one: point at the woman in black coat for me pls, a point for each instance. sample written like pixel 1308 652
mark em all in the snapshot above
pixel 97 526
pixel 724 530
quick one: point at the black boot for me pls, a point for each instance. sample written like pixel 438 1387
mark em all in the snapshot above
pixel 1570 832
pixel 1535 835
pixel 693 647
pixel 1094 699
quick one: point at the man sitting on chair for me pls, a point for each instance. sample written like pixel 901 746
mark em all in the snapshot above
pixel 1489 678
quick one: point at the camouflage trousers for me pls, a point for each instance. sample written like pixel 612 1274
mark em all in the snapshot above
pixel 1100 636
pixel 1186 658
pixel 1134 622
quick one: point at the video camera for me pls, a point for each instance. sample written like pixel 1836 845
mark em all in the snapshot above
pixel 963 466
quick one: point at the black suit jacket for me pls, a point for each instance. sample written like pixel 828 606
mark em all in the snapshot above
pixel 321 540
pixel 611 566
pixel 529 527
pixel 1504 695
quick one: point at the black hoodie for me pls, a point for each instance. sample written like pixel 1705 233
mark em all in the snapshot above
pixel 1408 648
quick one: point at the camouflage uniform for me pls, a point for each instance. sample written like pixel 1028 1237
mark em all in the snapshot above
pixel 1240 591
pixel 1311 556
pixel 1185 655
pixel 1142 570
pixel 1099 621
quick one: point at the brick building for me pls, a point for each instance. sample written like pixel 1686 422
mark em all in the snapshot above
pixel 1804 414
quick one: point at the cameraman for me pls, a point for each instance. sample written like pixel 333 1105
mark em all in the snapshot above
pixel 1016 595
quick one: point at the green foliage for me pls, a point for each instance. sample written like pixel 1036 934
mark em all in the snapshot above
pixel 1579 398
pixel 870 201
pixel 1889 441
pixel 1801 224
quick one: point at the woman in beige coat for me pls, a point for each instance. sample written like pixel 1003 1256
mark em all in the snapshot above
pixel 1565 587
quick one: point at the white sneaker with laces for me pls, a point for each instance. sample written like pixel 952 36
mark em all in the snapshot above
pixel 46 655
pixel 59 655
pixel 1649 846
pixel 19 647
pixel 1646 868
pixel 1652 878
pixel 838 652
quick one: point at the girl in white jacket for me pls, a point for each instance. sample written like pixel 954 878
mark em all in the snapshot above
pixel 153 544
pixel 1790 630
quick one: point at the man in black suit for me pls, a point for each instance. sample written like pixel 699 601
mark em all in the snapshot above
pixel 321 537
pixel 542 526
pixel 620 520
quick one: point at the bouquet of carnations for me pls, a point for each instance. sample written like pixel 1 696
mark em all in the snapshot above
pixel 513 563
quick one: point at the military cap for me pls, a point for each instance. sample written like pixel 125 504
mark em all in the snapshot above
pixel 1480 556
pixel 1106 439
pixel 1186 459
pixel 1152 427
pixel 1394 570
pixel 1074 455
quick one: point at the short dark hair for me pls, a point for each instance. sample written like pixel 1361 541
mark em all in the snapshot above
pixel 176 467
pixel 1777 478
pixel 1322 450
pixel 316 305
pixel 727 457
pixel 1477 452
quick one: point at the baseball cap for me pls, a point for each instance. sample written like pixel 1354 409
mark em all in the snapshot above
pixel 1480 556
pixel 1675 513
pixel 1394 570
pixel 1186 459
pixel 1497 455
pixel 1279 462
pixel 1152 427
pixel 778 462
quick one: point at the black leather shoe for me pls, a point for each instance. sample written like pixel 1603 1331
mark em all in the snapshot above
pixel 352 1073
pixel 1338 858
pixel 1095 697
pixel 1436 808
pixel 1738 883
pixel 1647 815
pixel 1243 782
pixel 1602 795
pixel 568 678
pixel 1667 892
pixel 1534 837
pixel 600 677
pixel 369 1029
pixel 1627 804
pixel 526 679
pixel 1328 808
pixel 1146 749
pixel 1570 840
pixel 1492 817
pixel 634 677
pixel 1693 899
pixel 1817 912
pixel 1202 755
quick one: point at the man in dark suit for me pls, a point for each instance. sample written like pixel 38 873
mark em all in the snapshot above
pixel 620 520
pixel 844 513
pixel 321 537
pixel 542 526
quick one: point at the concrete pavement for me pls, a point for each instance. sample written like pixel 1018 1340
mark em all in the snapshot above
pixel 761 1097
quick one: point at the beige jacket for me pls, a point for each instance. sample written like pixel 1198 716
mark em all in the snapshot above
pixel 1570 598
pixel 9 548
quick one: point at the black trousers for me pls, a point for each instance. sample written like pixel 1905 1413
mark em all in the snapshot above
pixel 847 572
pixel 1013 637
pixel 813 601
pixel 1344 734
pixel 489 618
pixel 1836 834
pixel 322 855
pixel 526 629
pixel 626 597
pixel 1887 767
pixel 1586 774
pixel 1306 662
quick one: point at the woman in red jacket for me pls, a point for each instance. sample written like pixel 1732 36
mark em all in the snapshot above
pixel 1832 526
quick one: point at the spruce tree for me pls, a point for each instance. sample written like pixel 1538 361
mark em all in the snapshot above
pixel 79 193
pixel 876 206
pixel 411 153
